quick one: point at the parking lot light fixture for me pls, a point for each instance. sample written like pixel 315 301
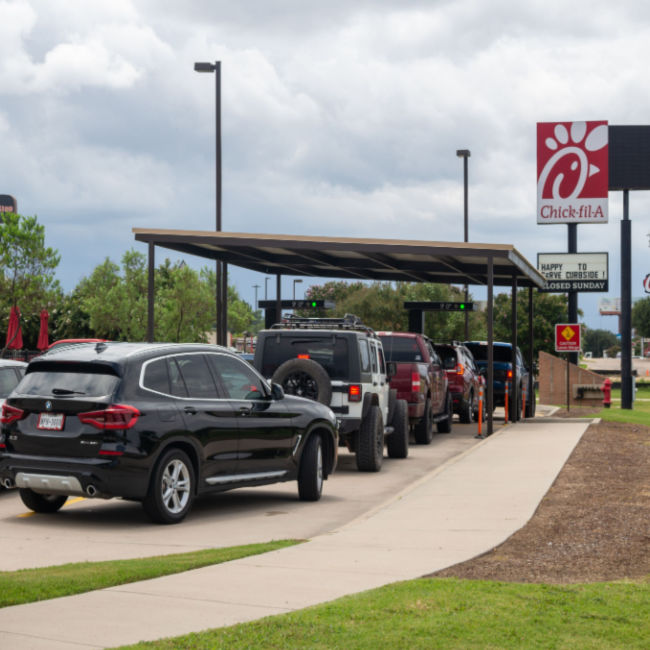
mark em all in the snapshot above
pixel 465 154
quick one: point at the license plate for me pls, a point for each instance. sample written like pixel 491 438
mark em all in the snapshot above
pixel 50 421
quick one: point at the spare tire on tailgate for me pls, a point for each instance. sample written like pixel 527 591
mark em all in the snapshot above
pixel 305 378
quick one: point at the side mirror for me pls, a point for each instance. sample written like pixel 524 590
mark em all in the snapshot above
pixel 391 369
pixel 277 392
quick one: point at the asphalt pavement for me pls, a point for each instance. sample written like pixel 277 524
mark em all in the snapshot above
pixel 463 507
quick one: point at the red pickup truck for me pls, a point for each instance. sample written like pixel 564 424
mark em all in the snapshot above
pixel 421 380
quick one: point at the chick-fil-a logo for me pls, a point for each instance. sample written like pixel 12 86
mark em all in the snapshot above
pixel 572 172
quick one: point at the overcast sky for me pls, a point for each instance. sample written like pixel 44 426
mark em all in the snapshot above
pixel 340 118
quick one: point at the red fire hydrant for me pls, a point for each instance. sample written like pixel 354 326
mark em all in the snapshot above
pixel 607 392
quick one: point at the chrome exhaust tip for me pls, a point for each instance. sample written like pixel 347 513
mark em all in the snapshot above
pixel 91 490
pixel 8 483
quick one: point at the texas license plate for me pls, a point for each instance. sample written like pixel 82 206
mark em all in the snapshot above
pixel 50 421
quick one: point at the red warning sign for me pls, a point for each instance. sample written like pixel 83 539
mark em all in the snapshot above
pixel 567 337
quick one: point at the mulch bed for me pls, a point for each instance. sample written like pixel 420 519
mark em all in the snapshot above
pixel 594 523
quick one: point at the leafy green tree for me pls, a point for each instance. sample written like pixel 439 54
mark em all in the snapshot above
pixel 27 269
pixel 548 309
pixel 597 341
pixel 641 317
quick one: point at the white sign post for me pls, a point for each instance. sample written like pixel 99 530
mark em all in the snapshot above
pixel 574 271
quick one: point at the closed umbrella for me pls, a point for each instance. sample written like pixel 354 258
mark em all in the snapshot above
pixel 14 333
pixel 43 341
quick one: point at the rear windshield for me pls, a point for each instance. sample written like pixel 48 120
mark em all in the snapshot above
pixel 401 348
pixel 448 356
pixel 89 381
pixel 330 351
pixel 501 353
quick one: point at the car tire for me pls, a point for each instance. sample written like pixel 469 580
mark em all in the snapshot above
pixel 171 491
pixel 370 442
pixel 397 443
pixel 423 430
pixel 304 378
pixel 42 502
pixel 467 409
pixel 444 425
pixel 310 474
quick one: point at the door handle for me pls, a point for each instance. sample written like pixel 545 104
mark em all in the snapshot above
pixel 190 410
pixel 245 410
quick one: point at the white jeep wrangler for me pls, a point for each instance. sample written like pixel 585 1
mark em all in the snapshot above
pixel 340 363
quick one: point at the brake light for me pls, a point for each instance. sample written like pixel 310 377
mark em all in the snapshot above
pixel 110 452
pixel 415 382
pixel 509 374
pixel 303 356
pixel 116 416
pixel 460 369
pixel 11 414
pixel 354 393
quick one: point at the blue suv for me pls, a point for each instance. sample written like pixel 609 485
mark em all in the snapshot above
pixel 503 373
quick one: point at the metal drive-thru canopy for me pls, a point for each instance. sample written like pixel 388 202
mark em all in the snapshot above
pixel 358 259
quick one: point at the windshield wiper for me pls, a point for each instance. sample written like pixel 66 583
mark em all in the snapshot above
pixel 66 391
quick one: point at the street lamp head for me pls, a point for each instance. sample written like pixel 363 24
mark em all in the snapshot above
pixel 463 153
pixel 204 67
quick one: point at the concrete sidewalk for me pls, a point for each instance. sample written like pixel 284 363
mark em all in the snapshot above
pixel 462 509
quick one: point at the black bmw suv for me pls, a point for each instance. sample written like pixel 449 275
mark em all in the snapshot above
pixel 157 423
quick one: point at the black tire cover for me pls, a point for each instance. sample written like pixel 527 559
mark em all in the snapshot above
pixel 313 370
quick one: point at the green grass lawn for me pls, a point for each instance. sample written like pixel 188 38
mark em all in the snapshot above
pixel 30 585
pixel 449 613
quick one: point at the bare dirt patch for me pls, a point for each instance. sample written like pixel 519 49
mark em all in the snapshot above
pixel 594 523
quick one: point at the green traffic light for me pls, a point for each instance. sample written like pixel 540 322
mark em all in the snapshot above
pixel 462 306
pixel 313 303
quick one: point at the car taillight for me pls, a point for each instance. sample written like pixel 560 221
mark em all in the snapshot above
pixel 11 414
pixel 116 416
pixel 509 374
pixel 415 382
pixel 354 393
pixel 303 356
pixel 460 369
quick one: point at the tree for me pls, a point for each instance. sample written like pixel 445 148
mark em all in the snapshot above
pixel 597 341
pixel 26 272
pixel 548 309
pixel 641 317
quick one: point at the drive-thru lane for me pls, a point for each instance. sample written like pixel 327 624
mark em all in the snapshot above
pixel 94 530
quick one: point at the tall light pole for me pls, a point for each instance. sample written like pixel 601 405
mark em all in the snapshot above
pixel 465 154
pixel 266 288
pixel 295 282
pixel 221 267
pixel 256 287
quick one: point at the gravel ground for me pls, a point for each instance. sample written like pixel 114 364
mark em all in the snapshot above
pixel 594 523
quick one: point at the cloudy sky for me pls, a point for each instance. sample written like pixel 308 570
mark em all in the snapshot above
pixel 340 118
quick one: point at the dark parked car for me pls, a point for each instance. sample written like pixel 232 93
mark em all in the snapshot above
pixel 157 423
pixel 463 377
pixel 503 373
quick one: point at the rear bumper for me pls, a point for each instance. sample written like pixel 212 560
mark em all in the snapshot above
pixel 104 478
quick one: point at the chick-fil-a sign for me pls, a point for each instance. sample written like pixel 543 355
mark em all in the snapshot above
pixel 572 172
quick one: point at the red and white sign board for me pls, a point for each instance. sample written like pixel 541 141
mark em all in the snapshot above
pixel 567 337
pixel 646 283
pixel 572 172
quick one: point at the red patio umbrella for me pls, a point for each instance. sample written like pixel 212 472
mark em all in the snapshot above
pixel 14 333
pixel 43 341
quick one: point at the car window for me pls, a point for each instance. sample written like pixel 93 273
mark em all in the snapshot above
pixel 196 376
pixel 239 380
pixel 382 361
pixel 156 376
pixel 47 379
pixel 365 355
pixel 330 351
pixel 373 358
pixel 447 356
pixel 401 348
pixel 8 381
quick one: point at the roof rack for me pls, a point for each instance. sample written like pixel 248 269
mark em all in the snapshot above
pixel 348 322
